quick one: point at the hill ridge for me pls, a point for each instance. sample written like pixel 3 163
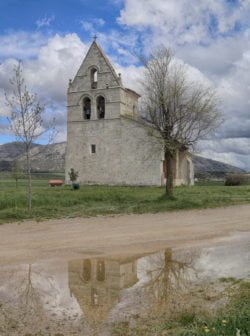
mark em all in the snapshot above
pixel 51 158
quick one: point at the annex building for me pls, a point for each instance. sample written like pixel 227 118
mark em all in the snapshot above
pixel 106 141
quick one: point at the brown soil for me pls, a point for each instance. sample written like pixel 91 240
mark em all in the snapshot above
pixel 70 238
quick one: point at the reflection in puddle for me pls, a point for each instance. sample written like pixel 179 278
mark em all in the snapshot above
pixel 85 296
pixel 97 285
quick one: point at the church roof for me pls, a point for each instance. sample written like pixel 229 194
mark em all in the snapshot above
pixel 132 91
pixel 91 51
pixel 106 59
pixel 94 45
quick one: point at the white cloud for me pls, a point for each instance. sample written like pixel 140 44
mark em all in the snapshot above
pixel 55 64
pixel 47 74
pixel 131 76
pixel 21 44
pixel 45 21
pixel 91 26
pixel 185 21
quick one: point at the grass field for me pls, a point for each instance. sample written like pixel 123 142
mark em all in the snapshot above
pixel 100 200
pixel 231 320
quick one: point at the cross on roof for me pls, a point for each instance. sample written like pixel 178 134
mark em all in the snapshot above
pixel 95 37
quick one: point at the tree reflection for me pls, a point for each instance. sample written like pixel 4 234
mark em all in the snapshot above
pixel 24 309
pixel 168 279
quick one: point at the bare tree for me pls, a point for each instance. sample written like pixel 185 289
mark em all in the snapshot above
pixel 180 111
pixel 26 120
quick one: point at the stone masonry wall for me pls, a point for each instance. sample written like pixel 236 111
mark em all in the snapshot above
pixel 124 153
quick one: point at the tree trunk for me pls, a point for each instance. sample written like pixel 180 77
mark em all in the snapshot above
pixel 169 174
pixel 29 180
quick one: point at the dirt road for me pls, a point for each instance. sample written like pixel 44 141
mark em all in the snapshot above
pixel 69 238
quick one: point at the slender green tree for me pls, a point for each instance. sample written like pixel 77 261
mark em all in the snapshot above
pixel 26 119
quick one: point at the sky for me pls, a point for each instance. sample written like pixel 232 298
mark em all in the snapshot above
pixel 212 37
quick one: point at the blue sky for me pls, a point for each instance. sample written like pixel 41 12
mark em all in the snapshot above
pixel 83 17
pixel 67 14
pixel 211 37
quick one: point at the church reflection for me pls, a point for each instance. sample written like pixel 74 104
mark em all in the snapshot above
pixel 115 289
pixel 96 283
pixel 90 296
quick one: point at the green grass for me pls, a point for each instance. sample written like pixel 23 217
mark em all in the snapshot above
pixel 235 317
pixel 102 200
pixel 232 320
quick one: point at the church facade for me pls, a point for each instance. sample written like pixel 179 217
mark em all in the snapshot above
pixel 106 141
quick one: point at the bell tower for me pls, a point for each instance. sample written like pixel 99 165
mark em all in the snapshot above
pixel 97 91
pixel 98 107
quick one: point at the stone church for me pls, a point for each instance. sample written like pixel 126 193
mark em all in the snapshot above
pixel 107 143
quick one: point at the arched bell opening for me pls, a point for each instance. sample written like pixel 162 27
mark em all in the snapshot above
pixel 100 106
pixel 86 272
pixel 86 108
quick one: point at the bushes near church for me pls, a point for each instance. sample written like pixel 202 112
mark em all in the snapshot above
pixel 237 179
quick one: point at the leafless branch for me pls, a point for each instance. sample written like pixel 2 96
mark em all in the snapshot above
pixel 180 111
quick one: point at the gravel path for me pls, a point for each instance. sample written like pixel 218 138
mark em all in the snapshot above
pixel 69 238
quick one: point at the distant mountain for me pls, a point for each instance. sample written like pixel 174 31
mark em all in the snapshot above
pixel 204 166
pixel 44 158
pixel 10 152
pixel 51 158
pixel 47 158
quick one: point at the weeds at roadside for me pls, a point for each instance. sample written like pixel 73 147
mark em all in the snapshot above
pixel 231 320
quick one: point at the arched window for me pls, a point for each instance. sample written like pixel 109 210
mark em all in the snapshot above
pixel 86 272
pixel 94 78
pixel 100 106
pixel 86 108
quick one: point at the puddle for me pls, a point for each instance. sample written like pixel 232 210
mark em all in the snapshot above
pixel 87 296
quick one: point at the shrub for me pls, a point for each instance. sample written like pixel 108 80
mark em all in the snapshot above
pixel 237 179
pixel 73 175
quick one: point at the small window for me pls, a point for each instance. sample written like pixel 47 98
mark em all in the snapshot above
pixel 94 297
pixel 93 149
pixel 94 78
